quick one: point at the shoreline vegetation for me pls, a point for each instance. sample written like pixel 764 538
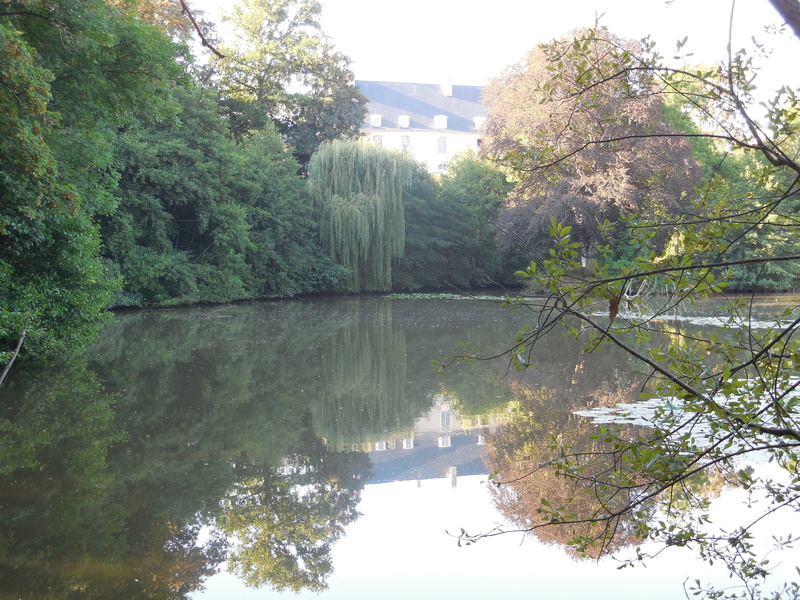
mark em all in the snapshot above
pixel 166 186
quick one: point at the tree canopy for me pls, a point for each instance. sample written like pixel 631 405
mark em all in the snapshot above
pixel 281 68
pixel 357 195
pixel 72 73
pixel 583 159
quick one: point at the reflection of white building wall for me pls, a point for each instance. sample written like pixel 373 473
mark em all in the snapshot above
pixel 437 427
pixel 432 122
pixel 440 419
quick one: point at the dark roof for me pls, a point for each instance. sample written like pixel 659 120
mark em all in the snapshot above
pixel 421 102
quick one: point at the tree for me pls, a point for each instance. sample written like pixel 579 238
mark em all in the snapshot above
pixel 478 188
pixel 286 522
pixel 73 72
pixel 720 398
pixel 357 197
pixel 451 228
pixel 203 218
pixel 429 251
pixel 40 225
pixel 555 143
pixel 281 68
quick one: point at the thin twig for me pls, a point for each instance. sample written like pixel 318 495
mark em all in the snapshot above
pixel 17 349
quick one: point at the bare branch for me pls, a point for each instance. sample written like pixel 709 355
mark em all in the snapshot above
pixel 16 349
pixel 200 33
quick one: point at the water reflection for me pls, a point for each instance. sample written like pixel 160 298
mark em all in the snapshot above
pixel 246 434
pixel 531 488
pixel 255 420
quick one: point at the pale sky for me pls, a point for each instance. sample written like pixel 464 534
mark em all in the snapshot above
pixel 467 42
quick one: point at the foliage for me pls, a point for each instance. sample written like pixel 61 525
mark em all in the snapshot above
pixel 428 251
pixel 720 400
pixel 72 70
pixel 583 159
pixel 202 218
pixel 284 523
pixel 357 198
pixel 451 229
pixel 732 178
pixel 282 68
pixel 476 189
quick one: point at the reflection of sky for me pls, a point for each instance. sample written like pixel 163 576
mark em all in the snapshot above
pixel 400 549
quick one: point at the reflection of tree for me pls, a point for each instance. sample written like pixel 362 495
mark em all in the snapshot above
pixel 561 498
pixel 72 526
pixel 54 509
pixel 363 366
pixel 285 521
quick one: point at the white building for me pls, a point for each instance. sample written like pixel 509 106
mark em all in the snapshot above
pixel 433 122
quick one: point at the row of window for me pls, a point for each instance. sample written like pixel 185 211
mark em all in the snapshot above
pixel 404 121
pixel 405 142
pixel 444 441
pixel 439 121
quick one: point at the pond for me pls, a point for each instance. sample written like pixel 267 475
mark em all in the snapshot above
pixel 302 448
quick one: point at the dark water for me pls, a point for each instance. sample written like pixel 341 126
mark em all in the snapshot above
pixel 249 435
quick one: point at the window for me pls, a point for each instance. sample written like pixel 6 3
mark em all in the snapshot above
pixel 408 444
pixel 403 121
pixel 375 120
pixel 440 122
pixel 377 139
pixel 444 420
pixel 405 141
pixel 380 446
pixel 442 145
pixel 444 441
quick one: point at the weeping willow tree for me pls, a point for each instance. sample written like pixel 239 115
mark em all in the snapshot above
pixel 357 195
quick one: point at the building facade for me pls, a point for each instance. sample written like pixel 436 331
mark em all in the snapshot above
pixel 433 122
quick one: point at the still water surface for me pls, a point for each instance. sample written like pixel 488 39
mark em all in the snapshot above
pixel 301 448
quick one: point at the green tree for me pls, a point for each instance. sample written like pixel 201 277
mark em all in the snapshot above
pixel 51 286
pixel 478 189
pixel 178 235
pixel 357 197
pixel 719 398
pixel 73 71
pixel 731 179
pixel 281 68
pixel 203 218
pixel 429 260
pixel 451 233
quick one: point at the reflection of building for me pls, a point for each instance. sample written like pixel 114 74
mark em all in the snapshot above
pixel 432 122
pixel 439 440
